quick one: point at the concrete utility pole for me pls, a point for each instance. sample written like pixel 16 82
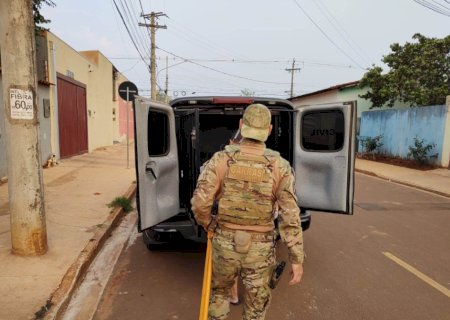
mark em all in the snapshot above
pixel 292 70
pixel 166 91
pixel 25 185
pixel 153 26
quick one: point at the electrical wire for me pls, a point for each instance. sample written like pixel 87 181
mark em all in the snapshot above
pixel 322 64
pixel 142 13
pixel 207 41
pixel 344 34
pixel 441 5
pixel 136 30
pixel 326 35
pixel 432 7
pixel 129 33
pixel 219 71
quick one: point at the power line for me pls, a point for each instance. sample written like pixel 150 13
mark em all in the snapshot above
pixel 219 71
pixel 338 27
pixel 129 33
pixel 441 5
pixel 207 41
pixel 433 7
pixel 326 36
pixel 253 61
pixel 133 27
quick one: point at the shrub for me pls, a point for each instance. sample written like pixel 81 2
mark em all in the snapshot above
pixel 121 202
pixel 371 144
pixel 420 152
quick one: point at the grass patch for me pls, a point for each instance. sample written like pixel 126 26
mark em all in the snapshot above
pixel 121 202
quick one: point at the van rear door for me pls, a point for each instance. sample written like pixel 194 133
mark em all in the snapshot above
pixel 324 146
pixel 156 162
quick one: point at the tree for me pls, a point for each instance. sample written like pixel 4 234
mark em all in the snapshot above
pixel 37 16
pixel 247 93
pixel 419 74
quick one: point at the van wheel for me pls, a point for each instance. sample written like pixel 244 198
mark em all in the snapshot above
pixel 150 242
pixel 153 247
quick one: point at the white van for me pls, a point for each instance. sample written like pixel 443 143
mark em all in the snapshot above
pixel 173 141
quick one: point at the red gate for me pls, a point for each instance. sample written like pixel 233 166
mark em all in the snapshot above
pixel 72 117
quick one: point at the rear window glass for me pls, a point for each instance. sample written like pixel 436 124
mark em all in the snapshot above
pixel 322 130
pixel 157 133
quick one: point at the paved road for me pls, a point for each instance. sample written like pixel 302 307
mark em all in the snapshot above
pixel 391 260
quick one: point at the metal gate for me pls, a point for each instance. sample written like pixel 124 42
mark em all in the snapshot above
pixel 72 117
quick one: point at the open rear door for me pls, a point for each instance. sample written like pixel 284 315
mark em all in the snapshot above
pixel 324 147
pixel 156 163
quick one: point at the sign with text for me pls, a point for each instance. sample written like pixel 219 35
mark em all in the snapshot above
pixel 21 104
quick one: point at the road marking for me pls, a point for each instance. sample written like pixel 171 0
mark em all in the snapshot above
pixel 418 274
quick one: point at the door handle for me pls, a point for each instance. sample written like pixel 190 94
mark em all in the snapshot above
pixel 149 169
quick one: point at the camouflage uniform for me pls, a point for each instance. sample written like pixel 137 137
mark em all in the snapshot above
pixel 237 211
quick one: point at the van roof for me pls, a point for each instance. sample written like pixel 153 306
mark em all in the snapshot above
pixel 229 101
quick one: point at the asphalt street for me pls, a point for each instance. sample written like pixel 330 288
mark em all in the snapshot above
pixel 390 260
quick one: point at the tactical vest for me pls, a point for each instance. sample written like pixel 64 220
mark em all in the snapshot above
pixel 247 197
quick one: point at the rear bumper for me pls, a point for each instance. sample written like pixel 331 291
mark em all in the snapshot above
pixel 177 231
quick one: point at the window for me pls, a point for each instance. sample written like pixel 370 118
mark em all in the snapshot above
pixel 323 130
pixel 157 133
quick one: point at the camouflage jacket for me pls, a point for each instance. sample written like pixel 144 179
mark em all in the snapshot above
pixel 209 190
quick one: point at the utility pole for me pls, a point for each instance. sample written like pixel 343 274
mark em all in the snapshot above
pixel 292 70
pixel 153 26
pixel 25 185
pixel 166 91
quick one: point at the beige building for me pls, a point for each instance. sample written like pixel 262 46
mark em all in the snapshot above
pixel 78 101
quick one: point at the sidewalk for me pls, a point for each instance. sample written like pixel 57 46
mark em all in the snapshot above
pixel 77 192
pixel 436 181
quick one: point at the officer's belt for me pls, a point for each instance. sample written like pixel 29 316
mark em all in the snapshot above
pixel 256 236
pixel 256 229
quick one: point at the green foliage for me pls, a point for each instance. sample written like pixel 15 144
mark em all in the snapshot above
pixel 162 97
pixel 419 74
pixel 372 144
pixel 121 202
pixel 247 93
pixel 37 16
pixel 420 152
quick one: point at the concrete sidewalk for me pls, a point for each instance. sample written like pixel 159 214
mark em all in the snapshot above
pixel 436 181
pixel 77 192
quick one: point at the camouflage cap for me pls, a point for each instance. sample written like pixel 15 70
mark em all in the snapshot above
pixel 256 122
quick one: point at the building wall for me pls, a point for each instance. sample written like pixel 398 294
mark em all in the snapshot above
pixel 122 115
pixel 446 143
pixel 399 127
pixel 103 104
pixel 44 129
pixel 353 93
pixel 320 98
pixel 94 70
pixel 65 60
pixel 100 100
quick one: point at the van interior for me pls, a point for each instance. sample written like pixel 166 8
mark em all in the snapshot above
pixel 204 130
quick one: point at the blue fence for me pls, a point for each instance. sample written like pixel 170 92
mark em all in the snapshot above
pixel 399 127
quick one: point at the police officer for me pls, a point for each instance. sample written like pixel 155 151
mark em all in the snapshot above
pixel 249 181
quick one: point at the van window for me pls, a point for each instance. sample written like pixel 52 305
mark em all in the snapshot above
pixel 323 130
pixel 157 133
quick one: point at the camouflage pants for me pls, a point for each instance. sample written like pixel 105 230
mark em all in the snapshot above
pixel 254 268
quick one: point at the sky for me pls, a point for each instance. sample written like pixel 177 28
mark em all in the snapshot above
pixel 222 47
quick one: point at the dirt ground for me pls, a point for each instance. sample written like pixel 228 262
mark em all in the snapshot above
pixel 408 163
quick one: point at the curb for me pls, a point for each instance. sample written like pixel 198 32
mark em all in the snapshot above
pixel 60 298
pixel 412 185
